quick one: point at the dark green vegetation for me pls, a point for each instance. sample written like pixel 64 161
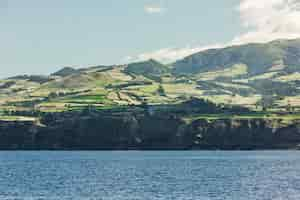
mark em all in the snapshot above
pixel 236 88
pixel 259 58
pixel 66 71
pixel 150 69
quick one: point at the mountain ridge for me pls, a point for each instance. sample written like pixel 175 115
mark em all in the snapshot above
pixel 264 53
pixel 255 76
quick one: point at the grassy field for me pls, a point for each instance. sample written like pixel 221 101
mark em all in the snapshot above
pixel 290 77
pixel 231 85
pixel 182 89
pixel 117 74
pixel 294 100
pixel 234 100
pixel 286 118
pixel 267 75
pixel 232 72
pixel 17 118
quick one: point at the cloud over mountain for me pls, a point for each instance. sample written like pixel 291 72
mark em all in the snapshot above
pixel 269 20
pixel 167 55
pixel 265 20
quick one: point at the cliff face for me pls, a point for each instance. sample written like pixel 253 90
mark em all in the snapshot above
pixel 245 134
pixel 148 132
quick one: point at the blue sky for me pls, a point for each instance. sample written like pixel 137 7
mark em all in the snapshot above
pixel 39 37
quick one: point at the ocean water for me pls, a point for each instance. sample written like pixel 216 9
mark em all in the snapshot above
pixel 265 175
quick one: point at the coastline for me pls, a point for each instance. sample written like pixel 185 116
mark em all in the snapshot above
pixel 135 132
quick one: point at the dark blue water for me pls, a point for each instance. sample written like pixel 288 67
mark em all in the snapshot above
pixel 150 175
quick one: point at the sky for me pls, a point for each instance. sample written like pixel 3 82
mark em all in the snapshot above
pixel 40 37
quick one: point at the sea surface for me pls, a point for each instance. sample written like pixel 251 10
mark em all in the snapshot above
pixel 133 175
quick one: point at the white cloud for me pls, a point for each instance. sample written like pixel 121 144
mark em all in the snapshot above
pixel 153 9
pixel 265 20
pixel 168 55
pixel 269 20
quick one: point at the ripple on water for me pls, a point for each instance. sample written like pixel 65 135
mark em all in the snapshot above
pixel 150 175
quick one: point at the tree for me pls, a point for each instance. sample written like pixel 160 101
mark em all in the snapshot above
pixel 161 91
pixel 52 95
pixel 267 101
pixel 289 107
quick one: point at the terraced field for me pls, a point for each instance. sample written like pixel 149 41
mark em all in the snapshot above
pixel 253 76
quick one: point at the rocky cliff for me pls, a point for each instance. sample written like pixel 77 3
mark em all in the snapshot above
pixel 158 132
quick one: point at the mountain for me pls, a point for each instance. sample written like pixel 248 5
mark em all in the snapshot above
pixel 150 69
pixel 240 97
pixel 255 76
pixel 259 58
pixel 66 71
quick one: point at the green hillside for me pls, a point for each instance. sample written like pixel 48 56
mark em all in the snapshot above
pixel 151 69
pixel 256 76
pixel 66 71
pixel 260 58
